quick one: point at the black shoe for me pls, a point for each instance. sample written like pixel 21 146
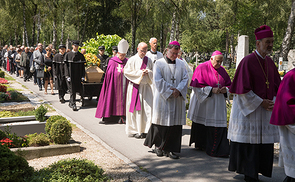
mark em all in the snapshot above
pixel 40 89
pixel 62 100
pixel 25 80
pixel 172 155
pixel 70 105
pixel 131 135
pixel 74 107
pixel 159 152
pixel 140 136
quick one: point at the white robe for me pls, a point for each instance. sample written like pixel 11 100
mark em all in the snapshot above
pixel 209 111
pixel 154 57
pixel 249 121
pixel 189 72
pixel 139 121
pixel 287 149
pixel 167 110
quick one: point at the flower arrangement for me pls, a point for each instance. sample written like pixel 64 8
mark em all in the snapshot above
pixel 282 73
pixel 3 81
pixel 91 59
pixel 3 88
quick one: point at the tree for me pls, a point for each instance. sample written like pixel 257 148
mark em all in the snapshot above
pixel 289 31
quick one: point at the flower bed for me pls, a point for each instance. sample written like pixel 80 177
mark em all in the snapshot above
pixel 3 81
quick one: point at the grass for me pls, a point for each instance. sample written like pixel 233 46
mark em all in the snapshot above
pixel 9 78
pixel 49 107
pixel 12 89
pixel 25 87
pixel 7 114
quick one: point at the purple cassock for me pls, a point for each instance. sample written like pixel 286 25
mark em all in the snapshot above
pixel 248 72
pixel 112 99
pixel 284 109
pixel 206 75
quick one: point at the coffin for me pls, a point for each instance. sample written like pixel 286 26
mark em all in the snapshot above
pixel 93 74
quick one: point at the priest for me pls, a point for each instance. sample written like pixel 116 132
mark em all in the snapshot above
pixel 170 81
pixel 59 73
pixel 139 103
pixel 74 72
pixel 283 116
pixel 255 87
pixel 207 107
pixel 111 106
pixel 153 54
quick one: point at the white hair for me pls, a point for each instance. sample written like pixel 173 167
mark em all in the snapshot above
pixel 152 39
pixel 141 44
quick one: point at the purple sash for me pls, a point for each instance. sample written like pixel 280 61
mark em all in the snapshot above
pixel 135 100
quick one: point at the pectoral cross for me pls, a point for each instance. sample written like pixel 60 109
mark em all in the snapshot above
pixel 173 78
pixel 119 68
pixel 218 84
pixel 267 83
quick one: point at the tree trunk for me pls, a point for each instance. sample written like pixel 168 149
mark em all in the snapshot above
pixel 226 42
pixel 54 33
pixel 23 38
pixel 133 26
pixel 34 24
pixel 78 22
pixel 15 35
pixel 161 38
pixel 288 36
pixel 177 28
pixel 25 26
pixel 62 27
pixel 172 27
pixel 85 21
pixel 232 60
pixel 38 28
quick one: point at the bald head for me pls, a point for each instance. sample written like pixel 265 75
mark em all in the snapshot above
pixel 142 49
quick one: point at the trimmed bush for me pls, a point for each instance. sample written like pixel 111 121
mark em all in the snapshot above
pixel 50 121
pixel 13 167
pixel 13 95
pixel 40 113
pixel 74 170
pixel 61 131
pixel 2 135
pixel 38 139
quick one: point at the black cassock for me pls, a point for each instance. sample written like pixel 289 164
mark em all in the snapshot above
pixel 59 74
pixel 103 62
pixel 75 69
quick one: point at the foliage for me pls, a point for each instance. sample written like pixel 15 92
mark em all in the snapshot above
pixel 108 41
pixel 282 73
pixel 7 142
pixel 74 170
pixel 38 139
pixel 50 121
pixel 5 96
pixel 40 113
pixel 91 59
pixel 231 72
pixel 2 135
pixel 13 167
pixel 2 74
pixel 3 88
pixel 14 95
pixel 17 141
pixel 61 131
pixel 7 114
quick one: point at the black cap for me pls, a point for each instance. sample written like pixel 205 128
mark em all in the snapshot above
pixel 115 48
pixel 101 48
pixel 61 46
pixel 75 42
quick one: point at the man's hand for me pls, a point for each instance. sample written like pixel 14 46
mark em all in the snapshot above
pixel 83 79
pixel 49 68
pixel 144 72
pixel 223 90
pixel 69 79
pixel 175 92
pixel 216 90
pixel 267 104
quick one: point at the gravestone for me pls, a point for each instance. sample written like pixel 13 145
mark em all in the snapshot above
pixel 291 60
pixel 243 48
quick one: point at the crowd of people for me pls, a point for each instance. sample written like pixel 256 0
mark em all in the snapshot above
pixel 148 92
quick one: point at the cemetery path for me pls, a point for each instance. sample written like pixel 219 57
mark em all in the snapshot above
pixel 193 165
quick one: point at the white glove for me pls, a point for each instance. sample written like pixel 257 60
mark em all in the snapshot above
pixel 69 79
pixel 83 79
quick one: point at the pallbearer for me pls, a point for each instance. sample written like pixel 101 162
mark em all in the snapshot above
pixel 111 105
pixel 207 108
pixel 170 88
pixel 74 72
pixel 59 73
pixel 255 87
